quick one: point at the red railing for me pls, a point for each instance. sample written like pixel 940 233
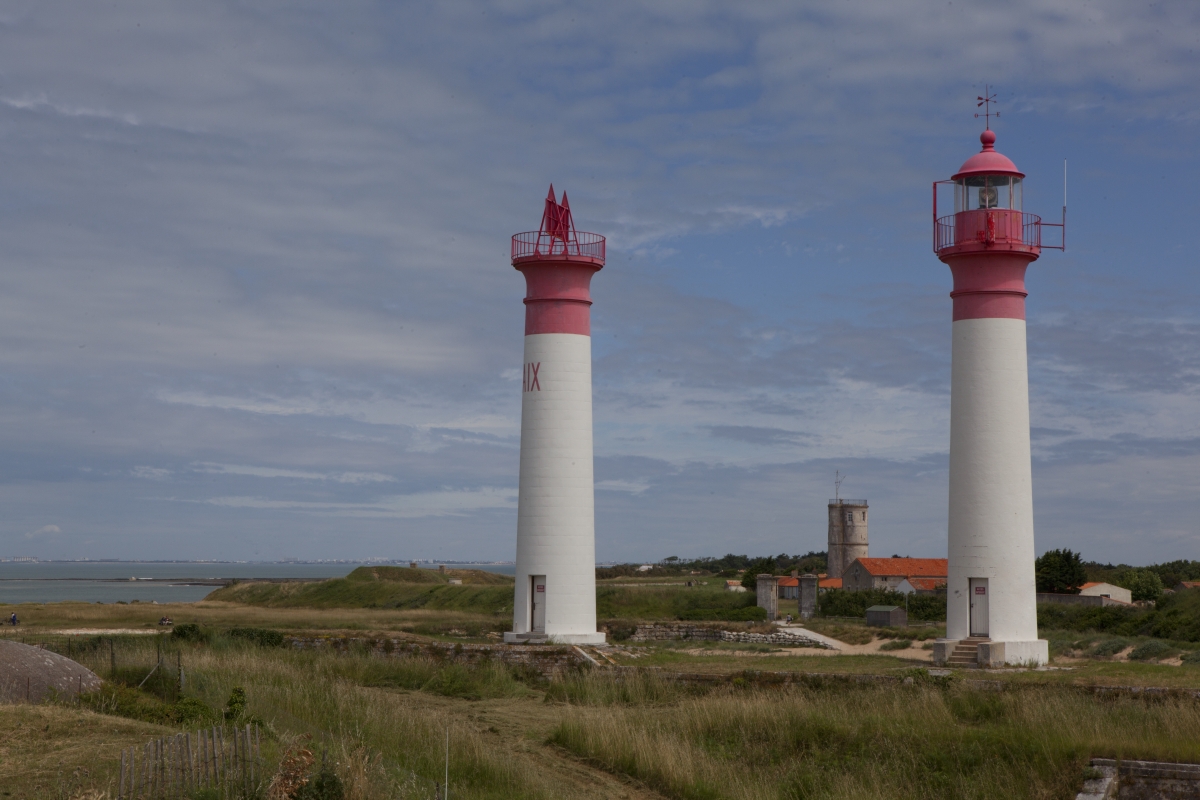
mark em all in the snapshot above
pixel 536 244
pixel 987 227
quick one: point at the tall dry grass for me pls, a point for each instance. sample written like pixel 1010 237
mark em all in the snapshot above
pixel 872 742
pixel 383 745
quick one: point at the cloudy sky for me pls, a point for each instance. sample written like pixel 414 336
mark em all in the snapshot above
pixel 255 299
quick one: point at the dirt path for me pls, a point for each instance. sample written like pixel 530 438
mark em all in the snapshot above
pixel 522 725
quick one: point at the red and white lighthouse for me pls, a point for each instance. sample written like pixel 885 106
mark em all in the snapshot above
pixel 555 595
pixel 991 612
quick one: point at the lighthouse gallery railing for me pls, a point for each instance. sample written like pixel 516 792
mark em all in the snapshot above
pixel 538 244
pixel 987 227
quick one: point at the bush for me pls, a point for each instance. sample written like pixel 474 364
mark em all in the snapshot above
pixel 323 785
pixel 845 603
pixel 1152 649
pixel 1192 658
pixel 896 644
pixel 189 632
pixel 1108 647
pixel 259 636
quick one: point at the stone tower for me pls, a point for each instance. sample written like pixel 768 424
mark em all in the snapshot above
pixel 847 534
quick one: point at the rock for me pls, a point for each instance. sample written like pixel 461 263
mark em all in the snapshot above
pixel 31 674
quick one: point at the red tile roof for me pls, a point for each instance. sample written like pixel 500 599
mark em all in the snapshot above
pixel 830 583
pixel 926 584
pixel 789 581
pixel 906 567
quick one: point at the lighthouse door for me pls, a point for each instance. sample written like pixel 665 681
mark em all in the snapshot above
pixel 537 600
pixel 979 606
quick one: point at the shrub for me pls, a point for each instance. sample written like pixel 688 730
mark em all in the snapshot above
pixel 324 785
pixel 845 603
pixel 896 644
pixel 1108 647
pixel 259 636
pixel 1192 658
pixel 1152 649
pixel 189 632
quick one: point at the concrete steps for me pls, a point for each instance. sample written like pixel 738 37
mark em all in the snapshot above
pixel 966 653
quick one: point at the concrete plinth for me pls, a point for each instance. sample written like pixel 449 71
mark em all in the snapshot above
pixel 942 648
pixel 1023 654
pixel 554 638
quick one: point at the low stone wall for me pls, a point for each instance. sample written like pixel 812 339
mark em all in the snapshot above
pixel 549 660
pixel 669 631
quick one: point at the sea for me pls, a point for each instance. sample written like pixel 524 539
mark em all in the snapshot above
pixel 163 581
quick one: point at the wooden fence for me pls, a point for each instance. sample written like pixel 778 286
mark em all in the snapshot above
pixel 178 766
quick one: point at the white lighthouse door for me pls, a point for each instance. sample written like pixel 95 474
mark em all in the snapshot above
pixel 537 595
pixel 979 606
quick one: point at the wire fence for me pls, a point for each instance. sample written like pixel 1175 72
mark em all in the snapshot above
pixel 225 760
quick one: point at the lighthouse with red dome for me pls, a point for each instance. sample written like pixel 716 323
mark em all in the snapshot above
pixel 988 242
pixel 555 594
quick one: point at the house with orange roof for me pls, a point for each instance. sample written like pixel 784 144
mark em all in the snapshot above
pixel 888 573
pixel 1098 589
pixel 825 582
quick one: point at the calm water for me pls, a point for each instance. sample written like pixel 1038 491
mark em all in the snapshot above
pixel 108 582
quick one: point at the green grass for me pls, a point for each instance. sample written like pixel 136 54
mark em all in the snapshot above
pixel 347 593
pixel 675 602
pixel 403 588
pixel 860 741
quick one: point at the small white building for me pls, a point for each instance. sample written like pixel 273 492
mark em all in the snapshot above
pixel 734 586
pixel 1095 589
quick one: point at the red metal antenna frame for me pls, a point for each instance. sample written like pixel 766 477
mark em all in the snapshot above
pixel 557 237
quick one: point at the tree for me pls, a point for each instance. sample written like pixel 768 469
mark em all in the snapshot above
pixel 1143 584
pixel 1060 572
pixel 760 566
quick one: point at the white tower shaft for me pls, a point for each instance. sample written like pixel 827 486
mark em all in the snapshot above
pixel 991 485
pixel 556 550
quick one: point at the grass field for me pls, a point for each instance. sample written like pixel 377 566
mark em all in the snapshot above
pixel 382 721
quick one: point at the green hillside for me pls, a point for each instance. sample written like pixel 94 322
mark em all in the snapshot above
pixel 484 593
pixel 382 587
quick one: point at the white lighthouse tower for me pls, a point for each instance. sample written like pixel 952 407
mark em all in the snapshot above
pixel 991 612
pixel 555 596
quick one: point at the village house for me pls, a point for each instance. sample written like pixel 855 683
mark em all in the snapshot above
pixel 888 573
pixel 1095 589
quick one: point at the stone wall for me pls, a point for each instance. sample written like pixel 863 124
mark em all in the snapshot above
pixel 666 631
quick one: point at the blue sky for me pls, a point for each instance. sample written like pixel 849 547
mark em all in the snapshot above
pixel 255 297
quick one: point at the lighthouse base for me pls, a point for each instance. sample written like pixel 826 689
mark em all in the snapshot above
pixel 1022 654
pixel 553 638
pixel 1034 653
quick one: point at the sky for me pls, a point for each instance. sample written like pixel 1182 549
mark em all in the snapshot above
pixel 255 298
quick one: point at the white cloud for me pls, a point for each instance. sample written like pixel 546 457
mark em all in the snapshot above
pixel 413 506
pixel 45 530
pixel 274 472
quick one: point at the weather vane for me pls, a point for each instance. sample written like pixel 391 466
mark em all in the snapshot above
pixel 986 102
